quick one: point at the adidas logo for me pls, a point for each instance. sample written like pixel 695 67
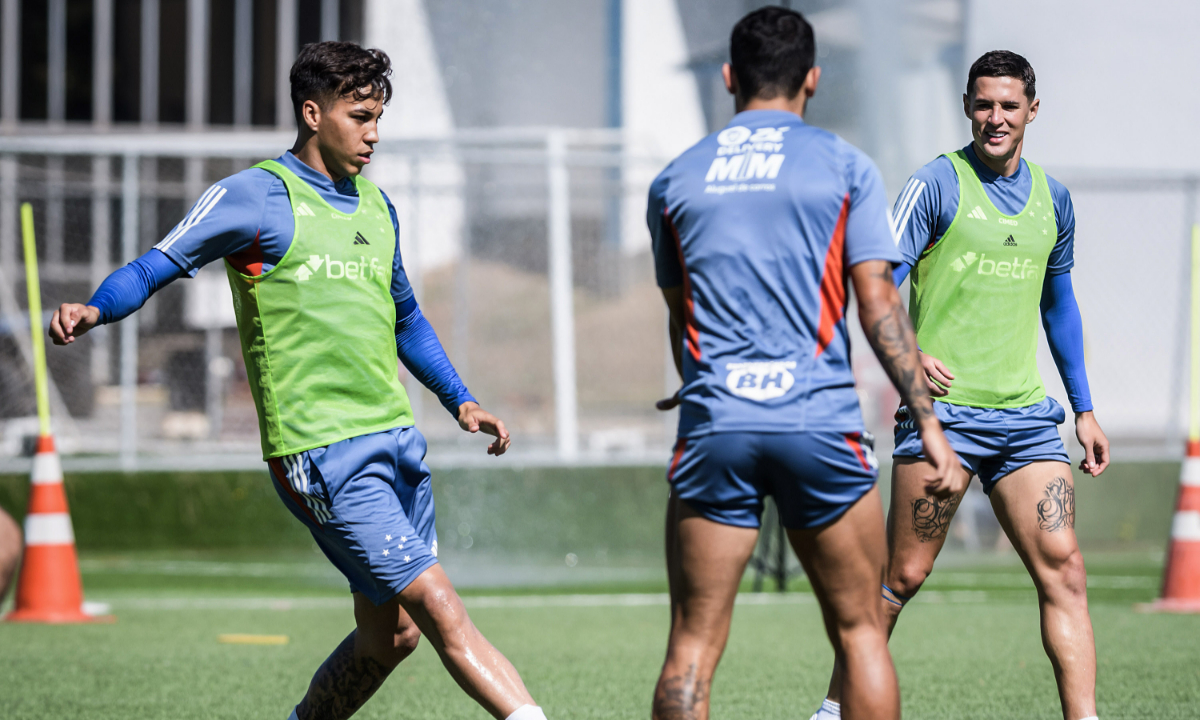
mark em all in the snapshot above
pixel 977 213
pixel 303 209
pixel 360 240
pixel 1010 242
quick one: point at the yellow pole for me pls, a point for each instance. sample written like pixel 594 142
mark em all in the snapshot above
pixel 1194 425
pixel 35 320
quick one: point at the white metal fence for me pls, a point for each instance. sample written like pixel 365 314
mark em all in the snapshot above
pixel 528 253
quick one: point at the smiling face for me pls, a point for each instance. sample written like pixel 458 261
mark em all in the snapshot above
pixel 346 131
pixel 999 111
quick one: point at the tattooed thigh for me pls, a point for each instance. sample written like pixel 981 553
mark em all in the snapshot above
pixel 931 517
pixel 1056 509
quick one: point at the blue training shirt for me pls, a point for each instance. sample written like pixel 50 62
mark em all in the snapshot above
pixel 759 224
pixel 247 219
pixel 926 207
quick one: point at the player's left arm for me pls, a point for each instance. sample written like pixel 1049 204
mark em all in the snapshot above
pixel 1064 333
pixel 418 347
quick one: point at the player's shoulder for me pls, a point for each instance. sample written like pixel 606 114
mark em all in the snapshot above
pixel 1058 191
pixel 249 184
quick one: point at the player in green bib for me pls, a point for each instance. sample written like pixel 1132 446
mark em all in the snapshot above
pixel 988 238
pixel 323 308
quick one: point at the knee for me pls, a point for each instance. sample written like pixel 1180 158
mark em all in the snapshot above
pixel 1062 575
pixel 404 642
pixel 907 578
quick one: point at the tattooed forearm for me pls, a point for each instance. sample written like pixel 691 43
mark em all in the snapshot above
pixel 342 684
pixel 1056 511
pixel 681 697
pixel 931 517
pixel 890 333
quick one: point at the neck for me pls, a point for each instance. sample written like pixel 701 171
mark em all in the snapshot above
pixel 1006 166
pixel 795 105
pixel 308 151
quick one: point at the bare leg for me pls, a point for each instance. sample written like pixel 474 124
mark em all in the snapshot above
pixel 917 525
pixel 1036 508
pixel 705 564
pixel 845 563
pixel 10 552
pixel 350 676
pixel 478 668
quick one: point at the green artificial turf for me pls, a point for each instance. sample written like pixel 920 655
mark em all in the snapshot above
pixel 967 647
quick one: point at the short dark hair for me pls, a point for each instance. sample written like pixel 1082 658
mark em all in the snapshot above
pixel 771 51
pixel 326 71
pixel 1002 63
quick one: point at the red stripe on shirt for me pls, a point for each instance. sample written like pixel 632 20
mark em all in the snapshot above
pixel 833 282
pixel 852 441
pixel 691 332
pixel 280 476
pixel 248 261
pixel 680 446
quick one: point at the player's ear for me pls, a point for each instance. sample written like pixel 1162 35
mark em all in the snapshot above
pixel 1033 109
pixel 967 105
pixel 811 80
pixel 729 78
pixel 310 113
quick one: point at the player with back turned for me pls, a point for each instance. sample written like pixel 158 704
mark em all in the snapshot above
pixel 989 240
pixel 323 306
pixel 755 231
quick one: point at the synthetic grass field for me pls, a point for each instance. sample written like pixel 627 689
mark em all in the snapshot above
pixel 968 647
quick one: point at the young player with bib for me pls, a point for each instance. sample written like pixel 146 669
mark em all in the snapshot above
pixel 989 239
pixel 756 230
pixel 311 250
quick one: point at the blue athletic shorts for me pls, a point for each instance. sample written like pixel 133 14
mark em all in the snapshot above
pixel 368 502
pixel 813 476
pixel 991 442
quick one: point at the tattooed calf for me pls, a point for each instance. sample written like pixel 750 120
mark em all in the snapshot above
pixel 1056 511
pixel 678 696
pixel 931 517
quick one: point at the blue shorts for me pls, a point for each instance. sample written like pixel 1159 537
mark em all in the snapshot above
pixel 813 476
pixel 368 502
pixel 991 442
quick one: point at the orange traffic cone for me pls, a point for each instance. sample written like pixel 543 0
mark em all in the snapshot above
pixel 49 589
pixel 1181 582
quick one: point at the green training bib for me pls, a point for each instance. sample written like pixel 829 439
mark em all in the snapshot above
pixel 976 294
pixel 318 331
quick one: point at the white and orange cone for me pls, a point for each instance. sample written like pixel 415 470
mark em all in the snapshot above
pixel 49 589
pixel 1181 581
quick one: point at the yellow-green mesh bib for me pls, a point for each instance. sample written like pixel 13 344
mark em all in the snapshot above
pixel 318 330
pixel 976 294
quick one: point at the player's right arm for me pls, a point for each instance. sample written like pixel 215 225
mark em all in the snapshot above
pixel 225 220
pixel 870 255
pixel 922 214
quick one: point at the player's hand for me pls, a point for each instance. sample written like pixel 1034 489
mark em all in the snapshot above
pixel 473 419
pixel 947 479
pixel 936 375
pixel 669 403
pixel 1094 442
pixel 72 320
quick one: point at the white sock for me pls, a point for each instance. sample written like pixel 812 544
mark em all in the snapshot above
pixel 829 711
pixel 293 716
pixel 527 712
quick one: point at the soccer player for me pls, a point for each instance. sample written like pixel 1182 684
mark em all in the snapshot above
pixel 311 249
pixel 755 231
pixel 989 238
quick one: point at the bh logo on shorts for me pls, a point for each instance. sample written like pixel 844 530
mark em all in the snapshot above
pixel 760 380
